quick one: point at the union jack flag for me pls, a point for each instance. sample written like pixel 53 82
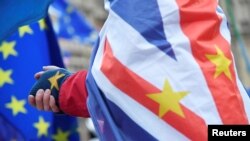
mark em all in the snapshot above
pixel 163 70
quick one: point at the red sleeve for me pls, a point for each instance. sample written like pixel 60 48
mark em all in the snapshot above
pixel 73 95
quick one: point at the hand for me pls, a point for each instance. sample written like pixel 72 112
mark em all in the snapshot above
pixel 45 68
pixel 43 99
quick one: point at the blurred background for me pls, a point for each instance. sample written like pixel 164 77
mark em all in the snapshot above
pixel 238 14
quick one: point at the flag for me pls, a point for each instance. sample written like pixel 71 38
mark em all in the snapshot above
pixel 15 13
pixel 248 91
pixel 21 56
pixel 163 70
pixel 71 23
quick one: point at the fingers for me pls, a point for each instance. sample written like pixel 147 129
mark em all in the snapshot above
pixel 32 100
pixel 38 74
pixel 45 68
pixel 43 101
pixel 53 106
pixel 39 99
pixel 46 99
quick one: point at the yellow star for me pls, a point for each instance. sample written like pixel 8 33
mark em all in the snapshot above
pixel 168 100
pixel 42 24
pixel 53 80
pixel 5 77
pixel 24 29
pixel 7 48
pixel 61 136
pixel 221 62
pixel 42 127
pixel 16 106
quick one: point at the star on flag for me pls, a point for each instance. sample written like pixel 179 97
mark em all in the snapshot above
pixel 17 106
pixel 7 49
pixel 5 77
pixel 53 80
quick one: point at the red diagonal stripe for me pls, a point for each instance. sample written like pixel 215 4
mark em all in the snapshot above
pixel 201 25
pixel 192 126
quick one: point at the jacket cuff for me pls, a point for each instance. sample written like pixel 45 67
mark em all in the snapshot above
pixel 73 95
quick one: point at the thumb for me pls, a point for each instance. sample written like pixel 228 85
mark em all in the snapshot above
pixel 38 74
pixel 45 68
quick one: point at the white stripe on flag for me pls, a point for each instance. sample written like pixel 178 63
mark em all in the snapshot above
pixel 224 27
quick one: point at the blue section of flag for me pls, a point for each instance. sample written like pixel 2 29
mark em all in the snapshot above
pixel 110 122
pixel 33 50
pixel 8 131
pixel 248 92
pixel 125 124
pixel 102 120
pixel 98 109
pixel 15 13
pixel 71 24
pixel 145 17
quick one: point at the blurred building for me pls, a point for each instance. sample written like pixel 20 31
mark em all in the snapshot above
pixel 93 9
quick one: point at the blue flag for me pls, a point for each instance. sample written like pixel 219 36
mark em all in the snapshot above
pixel 15 13
pixel 22 55
pixel 71 24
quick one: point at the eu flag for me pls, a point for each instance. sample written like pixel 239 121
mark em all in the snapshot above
pixel 21 55
pixel 15 13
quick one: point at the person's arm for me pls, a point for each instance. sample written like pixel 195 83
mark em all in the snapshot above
pixel 71 96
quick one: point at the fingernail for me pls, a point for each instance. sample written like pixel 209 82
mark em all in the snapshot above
pixel 40 91
pixel 47 91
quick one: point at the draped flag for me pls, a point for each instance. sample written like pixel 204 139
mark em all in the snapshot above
pixel 15 13
pixel 70 23
pixel 22 55
pixel 163 70
pixel 248 92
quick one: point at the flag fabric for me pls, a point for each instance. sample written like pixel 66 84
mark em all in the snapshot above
pixel 21 56
pixel 15 13
pixel 248 91
pixel 163 70
pixel 70 23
